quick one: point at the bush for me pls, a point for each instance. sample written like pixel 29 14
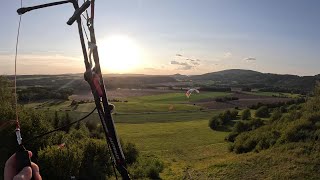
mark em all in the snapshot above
pixel 215 122
pixel 276 115
pixel 246 114
pixel 146 168
pixel 130 152
pixel 262 112
pixel 234 114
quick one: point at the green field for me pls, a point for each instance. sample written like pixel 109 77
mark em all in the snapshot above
pixel 178 97
pixel 174 129
pixel 168 102
pixel 181 145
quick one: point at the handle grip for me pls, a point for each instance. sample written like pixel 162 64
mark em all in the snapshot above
pixel 78 12
pixel 22 157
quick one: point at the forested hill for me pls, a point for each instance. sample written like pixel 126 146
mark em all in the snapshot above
pixel 254 79
pixel 233 78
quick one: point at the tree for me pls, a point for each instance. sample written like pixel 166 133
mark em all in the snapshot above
pixel 234 114
pixel 215 122
pixel 6 101
pixel 276 115
pixel 262 112
pixel 246 114
pixel 56 120
pixel 66 121
pixel 96 162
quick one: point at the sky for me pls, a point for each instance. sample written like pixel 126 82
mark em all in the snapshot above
pixel 168 37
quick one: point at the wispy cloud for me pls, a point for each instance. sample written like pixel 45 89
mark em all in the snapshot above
pixel 189 64
pixel 248 59
pixel 179 63
pixel 185 67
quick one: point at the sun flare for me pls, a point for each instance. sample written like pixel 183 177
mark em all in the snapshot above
pixel 119 54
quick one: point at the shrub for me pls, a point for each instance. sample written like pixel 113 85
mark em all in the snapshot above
pixel 246 114
pixel 215 122
pixel 146 168
pixel 276 115
pixel 130 152
pixel 262 112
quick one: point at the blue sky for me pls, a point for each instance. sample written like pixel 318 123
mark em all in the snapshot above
pixel 266 35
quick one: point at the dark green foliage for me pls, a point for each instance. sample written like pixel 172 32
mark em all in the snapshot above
pixel 246 114
pixel 39 93
pixel 60 163
pixel 65 121
pixel 234 114
pixel 56 120
pixel 215 122
pixel 146 168
pixel 6 101
pixel 283 109
pixel 299 125
pixel 130 152
pixel 262 112
pixel 243 126
pixel 222 119
pixel 225 99
pixel 276 115
pixel 96 162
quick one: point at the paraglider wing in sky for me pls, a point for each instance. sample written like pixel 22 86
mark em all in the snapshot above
pixel 190 91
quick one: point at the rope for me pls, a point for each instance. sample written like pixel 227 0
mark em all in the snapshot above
pixel 19 139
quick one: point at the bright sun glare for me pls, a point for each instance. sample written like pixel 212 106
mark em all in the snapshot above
pixel 119 54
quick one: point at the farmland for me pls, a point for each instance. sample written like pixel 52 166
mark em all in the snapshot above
pixel 170 126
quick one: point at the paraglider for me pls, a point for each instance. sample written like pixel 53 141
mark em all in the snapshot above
pixel 190 91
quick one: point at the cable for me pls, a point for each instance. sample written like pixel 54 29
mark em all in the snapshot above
pixel 113 161
pixel 85 32
pixel 60 128
pixel 18 134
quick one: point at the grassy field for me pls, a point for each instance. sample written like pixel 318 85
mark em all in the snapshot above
pixel 183 146
pixel 170 127
pixel 178 97
pixel 167 102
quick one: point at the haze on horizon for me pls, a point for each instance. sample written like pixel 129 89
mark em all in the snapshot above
pixel 168 37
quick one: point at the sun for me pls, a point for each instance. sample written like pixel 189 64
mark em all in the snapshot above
pixel 119 54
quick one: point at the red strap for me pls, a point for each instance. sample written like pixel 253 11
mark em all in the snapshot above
pixel 96 83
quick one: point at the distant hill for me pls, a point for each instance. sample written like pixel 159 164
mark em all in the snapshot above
pixel 254 79
pixel 238 78
pixel 179 76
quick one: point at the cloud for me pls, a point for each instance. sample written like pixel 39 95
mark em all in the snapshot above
pixel 179 55
pixel 250 59
pixel 175 62
pixel 227 55
pixel 186 65
pixel 179 63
